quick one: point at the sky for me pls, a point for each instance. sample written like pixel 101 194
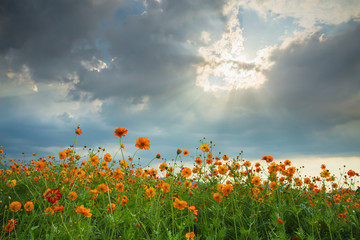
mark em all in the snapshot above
pixel 269 77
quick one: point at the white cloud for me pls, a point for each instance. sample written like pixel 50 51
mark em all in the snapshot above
pixel 224 61
pixel 308 13
pixel 94 65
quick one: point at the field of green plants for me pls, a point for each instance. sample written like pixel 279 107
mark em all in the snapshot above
pixel 104 196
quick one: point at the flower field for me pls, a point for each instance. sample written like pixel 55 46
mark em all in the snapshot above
pixel 109 196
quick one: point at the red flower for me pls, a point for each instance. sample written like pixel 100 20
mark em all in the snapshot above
pixel 53 195
pixel 280 221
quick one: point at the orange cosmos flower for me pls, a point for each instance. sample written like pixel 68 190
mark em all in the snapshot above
pixel 78 131
pixel 93 160
pixel 72 196
pixel 225 157
pixel 190 236
pixel 186 172
pixel 53 195
pixel 151 192
pixel 268 159
pixel 217 197
pixel 227 189
pixel 165 187
pixel 101 188
pixel 185 152
pixel 84 211
pixel 29 206
pixel 124 200
pixel 63 154
pixel 299 182
pixel 198 161
pixel 11 183
pixel 15 206
pixel 107 157
pixel 273 186
pixel 179 204
pixel 10 226
pixel 205 147
pixel 158 156
pixel 163 166
pixel 351 173
pixel 193 210
pixel 110 208
pixel 119 187
pixel 120 132
pixel 143 143
pixel 122 164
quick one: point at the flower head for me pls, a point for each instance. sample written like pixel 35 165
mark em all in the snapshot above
pixel 143 143
pixel 84 211
pixel 120 132
pixel 15 206
pixel 29 206
pixel 53 195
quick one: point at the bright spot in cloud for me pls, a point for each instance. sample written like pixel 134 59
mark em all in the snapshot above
pixel 224 65
pixel 94 65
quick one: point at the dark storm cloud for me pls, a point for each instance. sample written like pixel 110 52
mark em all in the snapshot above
pixel 50 37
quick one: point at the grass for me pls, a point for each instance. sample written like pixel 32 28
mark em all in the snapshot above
pixel 99 196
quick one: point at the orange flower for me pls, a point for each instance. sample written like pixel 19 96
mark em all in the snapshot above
pixel 15 206
pixel 29 206
pixel 72 196
pixel 227 189
pixel 143 143
pixel 163 166
pixel 217 197
pixel 107 157
pixel 280 221
pixel 198 161
pixel 268 159
pixel 78 131
pixel 124 200
pixel 151 192
pixel 186 172
pixel 193 210
pixel 273 186
pixel 158 156
pixel 110 208
pixel 299 182
pixel 186 152
pixel 84 211
pixel 63 154
pixel 225 157
pixel 122 164
pixel 190 236
pixel 165 187
pixel 120 132
pixel 10 226
pixel 187 184
pixel 205 147
pixel 94 160
pixel 118 174
pixel 351 173
pixel 11 183
pixel 119 187
pixel 179 204
pixel 256 180
pixel 102 188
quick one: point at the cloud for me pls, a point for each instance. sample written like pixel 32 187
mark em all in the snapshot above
pixel 309 14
